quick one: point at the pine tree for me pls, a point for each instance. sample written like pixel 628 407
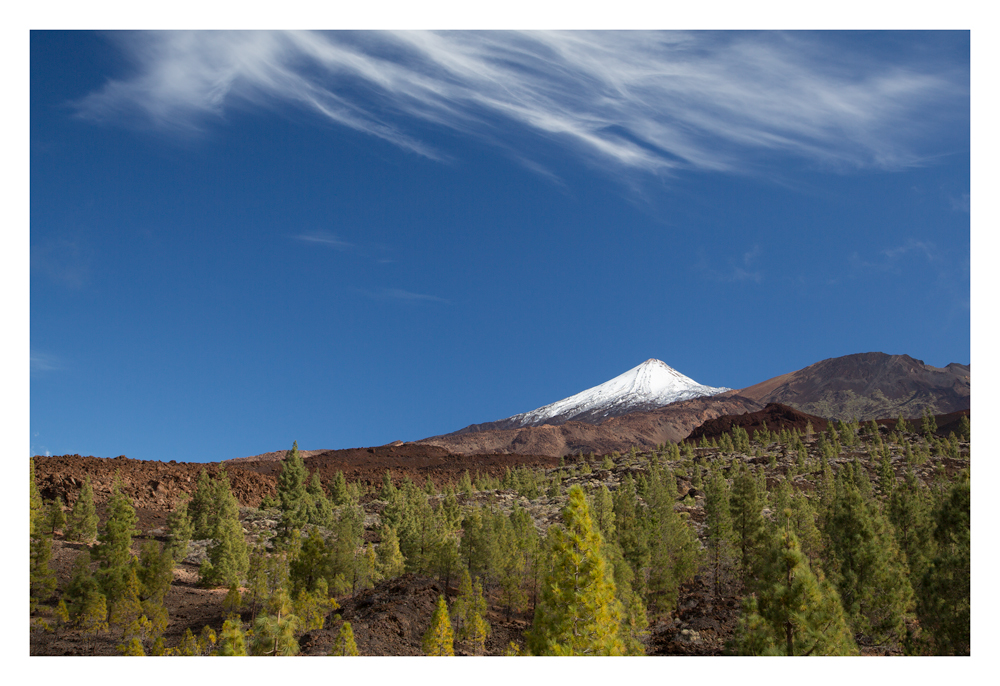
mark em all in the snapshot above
pixel 82 523
pixel 718 526
pixel 674 549
pixel 313 607
pixel 321 510
pixel 55 519
pixel 577 613
pixel 132 648
pixel 126 609
pixel 339 494
pixel 465 483
pixel 93 618
pixel 479 546
pixel 509 562
pixel 228 554
pixel 943 604
pixel 344 645
pixel 389 561
pixel 909 510
pixel 928 424
pixel 81 584
pixel 232 603
pixel 312 563
pixel 232 642
pixel 345 555
pixel 631 532
pixel 479 631
pixel 202 508
pixel 43 579
pixel 181 531
pixel 438 639
pixel 746 505
pixel 528 545
pixel 965 428
pixel 461 607
pixel 796 613
pixel 292 493
pixel 115 543
pixel 274 633
pixel 35 501
pixel 189 644
pixel 866 565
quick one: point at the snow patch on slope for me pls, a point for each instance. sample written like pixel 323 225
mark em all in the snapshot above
pixel 650 385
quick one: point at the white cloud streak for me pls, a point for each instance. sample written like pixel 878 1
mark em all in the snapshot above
pixel 325 239
pixel 654 102
pixel 41 362
pixel 400 294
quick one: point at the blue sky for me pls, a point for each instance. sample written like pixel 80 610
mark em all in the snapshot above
pixel 243 239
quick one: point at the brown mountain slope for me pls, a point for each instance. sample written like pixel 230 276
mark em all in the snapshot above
pixel 642 429
pixel 868 386
pixel 776 416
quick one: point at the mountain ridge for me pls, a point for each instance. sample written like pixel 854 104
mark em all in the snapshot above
pixel 865 386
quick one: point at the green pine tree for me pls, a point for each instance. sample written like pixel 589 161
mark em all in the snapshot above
pixel 228 554
pixel 82 523
pixel 797 613
pixel 114 548
pixel 202 508
pixel 718 527
pixel 321 513
pixel 55 518
pixel 344 645
pixel 944 600
pixel 578 613
pixel 180 529
pixel 746 504
pixel 339 495
pixel 674 550
pixel 232 642
pixel 233 602
pixel 438 639
pixel 965 428
pixel 866 565
pixel 35 501
pixel 93 617
pixel 292 492
pixel 43 579
pixel 274 633
pixel 389 562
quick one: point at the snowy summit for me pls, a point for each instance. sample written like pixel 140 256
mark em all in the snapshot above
pixel 651 385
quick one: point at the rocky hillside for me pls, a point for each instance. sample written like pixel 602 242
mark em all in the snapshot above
pixel 868 386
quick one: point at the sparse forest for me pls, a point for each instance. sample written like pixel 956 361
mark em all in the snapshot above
pixel 853 539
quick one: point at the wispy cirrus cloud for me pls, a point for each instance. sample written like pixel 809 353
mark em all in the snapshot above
pixel 325 239
pixel 402 295
pixel 648 101
pixel 926 248
pixel 43 362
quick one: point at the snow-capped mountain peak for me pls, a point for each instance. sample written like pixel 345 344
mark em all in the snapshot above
pixel 650 385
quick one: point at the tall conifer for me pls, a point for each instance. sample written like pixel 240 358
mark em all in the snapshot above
pixel 578 613
pixel 344 645
pixel 438 639
pixel 82 523
pixel 796 613
pixel 292 493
